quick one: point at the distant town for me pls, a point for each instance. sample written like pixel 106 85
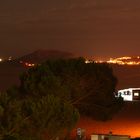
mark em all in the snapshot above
pixel 125 60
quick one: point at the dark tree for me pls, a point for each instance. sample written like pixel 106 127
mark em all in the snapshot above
pixel 31 118
pixel 51 95
pixel 89 87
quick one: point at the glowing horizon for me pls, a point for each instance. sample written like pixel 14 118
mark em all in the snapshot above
pixel 125 60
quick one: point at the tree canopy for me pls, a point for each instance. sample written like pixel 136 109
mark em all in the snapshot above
pixel 51 96
pixel 31 118
pixel 89 87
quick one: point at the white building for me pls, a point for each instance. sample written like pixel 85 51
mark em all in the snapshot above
pixel 130 94
pixel 109 137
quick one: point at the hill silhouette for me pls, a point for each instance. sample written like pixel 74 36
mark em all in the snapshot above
pixel 40 56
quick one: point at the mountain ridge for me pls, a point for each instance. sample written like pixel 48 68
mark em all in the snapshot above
pixel 42 55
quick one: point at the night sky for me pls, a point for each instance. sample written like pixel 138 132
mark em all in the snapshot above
pixel 92 28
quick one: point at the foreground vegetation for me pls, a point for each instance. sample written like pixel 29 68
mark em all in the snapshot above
pixel 52 96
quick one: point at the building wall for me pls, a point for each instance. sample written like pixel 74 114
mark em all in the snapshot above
pixel 94 137
pixel 109 137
